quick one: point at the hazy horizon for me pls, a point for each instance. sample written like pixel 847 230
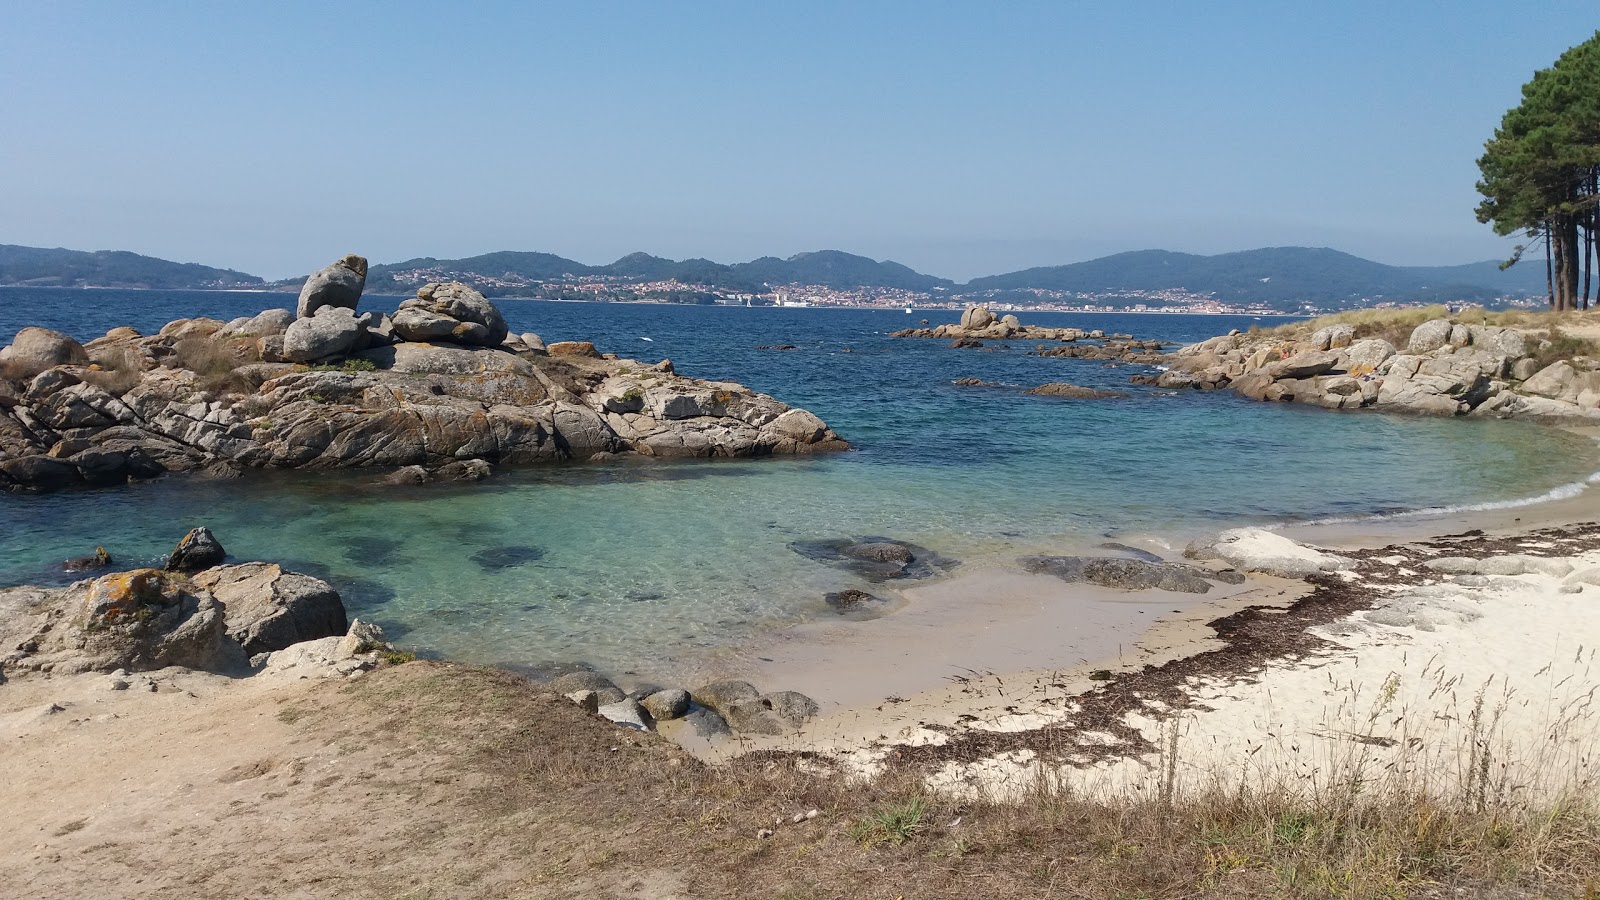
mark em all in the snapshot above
pixel 960 143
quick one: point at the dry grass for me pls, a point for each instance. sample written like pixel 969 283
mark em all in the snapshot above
pixel 1565 331
pixel 579 808
pixel 216 361
pixel 120 368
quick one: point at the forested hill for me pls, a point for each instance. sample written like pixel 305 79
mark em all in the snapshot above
pixel 41 267
pixel 1282 277
pixel 1275 275
pixel 830 268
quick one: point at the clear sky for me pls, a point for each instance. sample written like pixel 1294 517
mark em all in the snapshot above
pixel 960 139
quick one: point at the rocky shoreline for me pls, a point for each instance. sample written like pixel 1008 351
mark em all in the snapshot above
pixel 1443 367
pixel 439 389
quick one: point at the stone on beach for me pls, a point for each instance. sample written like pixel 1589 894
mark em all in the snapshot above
pixel 269 609
pixel 1258 550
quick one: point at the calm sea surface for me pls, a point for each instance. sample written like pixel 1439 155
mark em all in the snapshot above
pixel 616 565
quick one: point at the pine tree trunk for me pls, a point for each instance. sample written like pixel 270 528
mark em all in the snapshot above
pixel 1549 272
pixel 1566 238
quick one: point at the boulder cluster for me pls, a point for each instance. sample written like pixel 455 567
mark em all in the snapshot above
pixel 440 384
pixel 714 710
pixel 196 612
pixel 979 324
pixel 1444 368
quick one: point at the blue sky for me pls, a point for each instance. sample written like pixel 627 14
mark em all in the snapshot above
pixel 960 139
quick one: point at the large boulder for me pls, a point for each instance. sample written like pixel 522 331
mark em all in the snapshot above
pixel 1333 337
pixel 454 313
pixel 35 349
pixel 1306 365
pixel 262 324
pixel 1368 355
pixel 199 549
pixel 977 318
pixel 1257 550
pixel 269 609
pixel 141 620
pixel 1430 336
pixel 339 284
pixel 331 331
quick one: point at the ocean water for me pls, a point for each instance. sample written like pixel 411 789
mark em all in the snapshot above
pixel 648 564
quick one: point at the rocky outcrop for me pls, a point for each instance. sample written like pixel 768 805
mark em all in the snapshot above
pixel 206 395
pixel 270 609
pixel 979 324
pixel 1073 392
pixel 339 284
pixel 1447 368
pixel 454 313
pixel 140 620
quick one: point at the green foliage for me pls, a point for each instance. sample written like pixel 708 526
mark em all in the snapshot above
pixel 349 365
pixel 891 823
pixel 1541 170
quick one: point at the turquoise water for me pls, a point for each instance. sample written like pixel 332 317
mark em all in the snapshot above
pixel 640 565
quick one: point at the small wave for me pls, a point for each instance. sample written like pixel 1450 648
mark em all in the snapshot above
pixel 1559 492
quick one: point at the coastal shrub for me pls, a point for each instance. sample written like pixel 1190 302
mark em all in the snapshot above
pixel 1561 345
pixel 354 364
pixel 216 361
pixel 120 368
pixel 1369 826
pixel 892 824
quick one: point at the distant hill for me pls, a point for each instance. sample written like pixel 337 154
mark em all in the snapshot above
pixel 1286 278
pixel 41 267
pixel 1279 276
pixel 830 268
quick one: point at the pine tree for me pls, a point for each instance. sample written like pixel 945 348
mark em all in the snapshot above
pixel 1542 168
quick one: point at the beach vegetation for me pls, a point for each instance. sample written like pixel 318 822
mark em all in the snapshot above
pixel 352 365
pixel 1367 820
pixel 115 370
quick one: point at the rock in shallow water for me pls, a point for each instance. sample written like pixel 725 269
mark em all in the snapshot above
pixel 199 549
pixel 876 558
pixel 1128 574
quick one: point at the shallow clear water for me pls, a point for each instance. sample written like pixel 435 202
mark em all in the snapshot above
pixel 617 565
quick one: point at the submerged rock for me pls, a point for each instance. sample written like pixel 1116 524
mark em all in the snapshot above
pixel 876 558
pixel 1128 574
pixel 1073 392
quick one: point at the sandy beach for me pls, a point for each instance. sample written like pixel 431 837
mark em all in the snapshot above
pixel 1454 657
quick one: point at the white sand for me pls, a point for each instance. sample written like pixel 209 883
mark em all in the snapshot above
pixel 1455 690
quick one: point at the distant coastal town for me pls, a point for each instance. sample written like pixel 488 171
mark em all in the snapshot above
pixel 624 289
